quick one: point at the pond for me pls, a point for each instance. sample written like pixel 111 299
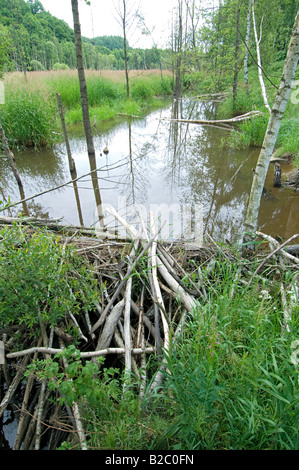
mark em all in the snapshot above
pixel 159 165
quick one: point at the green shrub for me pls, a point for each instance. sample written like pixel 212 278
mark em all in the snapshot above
pixel 58 66
pixel 35 65
pixel 141 91
pixel 37 281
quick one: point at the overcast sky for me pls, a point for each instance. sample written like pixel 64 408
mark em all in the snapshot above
pixel 98 19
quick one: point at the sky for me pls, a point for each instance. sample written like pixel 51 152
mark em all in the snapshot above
pixel 98 19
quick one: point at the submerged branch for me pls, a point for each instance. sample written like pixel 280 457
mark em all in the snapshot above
pixel 241 118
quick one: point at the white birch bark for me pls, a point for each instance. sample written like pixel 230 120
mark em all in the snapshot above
pixel 276 116
pixel 259 60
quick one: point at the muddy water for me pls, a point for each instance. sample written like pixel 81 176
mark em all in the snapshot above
pixel 153 162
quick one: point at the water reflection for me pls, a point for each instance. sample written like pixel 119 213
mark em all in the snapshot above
pixel 155 161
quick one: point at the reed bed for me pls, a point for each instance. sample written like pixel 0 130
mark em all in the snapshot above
pixel 30 117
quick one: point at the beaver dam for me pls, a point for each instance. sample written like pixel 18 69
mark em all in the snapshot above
pixel 141 295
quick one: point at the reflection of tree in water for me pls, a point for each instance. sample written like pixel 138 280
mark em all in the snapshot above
pixel 38 170
pixel 207 173
pixel 136 171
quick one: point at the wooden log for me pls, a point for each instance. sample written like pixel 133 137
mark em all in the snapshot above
pixel 110 325
pixel 237 119
pixel 13 386
pixel 83 355
pixel 282 251
pixel 127 336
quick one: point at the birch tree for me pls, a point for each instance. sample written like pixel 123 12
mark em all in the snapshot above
pixel 237 47
pixel 127 15
pixel 259 60
pixel 85 108
pixel 247 45
pixel 276 116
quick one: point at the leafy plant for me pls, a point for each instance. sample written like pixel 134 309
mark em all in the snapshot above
pixel 41 279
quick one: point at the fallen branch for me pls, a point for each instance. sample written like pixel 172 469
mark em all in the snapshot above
pixel 83 355
pixel 270 256
pixel 13 386
pixel 272 240
pixel 121 285
pixel 241 118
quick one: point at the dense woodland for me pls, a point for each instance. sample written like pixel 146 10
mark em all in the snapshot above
pixel 35 40
pixel 206 44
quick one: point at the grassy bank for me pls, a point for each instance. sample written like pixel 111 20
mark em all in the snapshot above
pixel 253 132
pixel 29 115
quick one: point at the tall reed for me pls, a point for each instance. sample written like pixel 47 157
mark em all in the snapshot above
pixel 29 116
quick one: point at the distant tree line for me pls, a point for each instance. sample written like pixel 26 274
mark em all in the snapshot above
pixel 33 39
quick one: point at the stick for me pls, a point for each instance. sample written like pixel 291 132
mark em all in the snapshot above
pixel 154 262
pixel 13 386
pixel 241 118
pixel 270 256
pixel 275 242
pixel 110 325
pixel 121 285
pixel 76 413
pixel 21 423
pixel 14 169
pixel 127 336
pixel 83 355
pixel 13 204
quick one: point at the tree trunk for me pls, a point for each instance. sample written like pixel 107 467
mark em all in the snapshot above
pixel 276 116
pixel 247 45
pixel 14 168
pixel 259 61
pixel 85 109
pixel 124 20
pixel 235 84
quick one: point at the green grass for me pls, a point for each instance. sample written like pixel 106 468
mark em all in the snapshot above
pixel 30 117
pixel 230 382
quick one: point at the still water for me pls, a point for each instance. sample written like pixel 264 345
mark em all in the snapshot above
pixel 153 162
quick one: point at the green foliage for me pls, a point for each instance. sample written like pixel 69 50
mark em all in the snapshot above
pixel 111 417
pixel 35 35
pixel 41 280
pixel 5 48
pixel 231 384
pixel 35 65
pixel 28 117
pixel 58 66
pixel 79 380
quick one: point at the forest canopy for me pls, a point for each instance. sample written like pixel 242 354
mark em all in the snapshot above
pixel 33 39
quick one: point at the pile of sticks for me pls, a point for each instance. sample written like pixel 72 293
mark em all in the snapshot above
pixel 145 297
pixel 147 290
